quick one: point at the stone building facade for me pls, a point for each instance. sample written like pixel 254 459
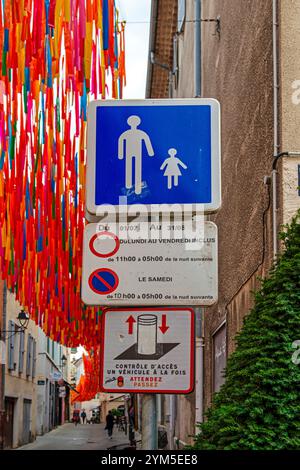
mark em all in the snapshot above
pixel 20 389
pixel 248 59
pixel 53 406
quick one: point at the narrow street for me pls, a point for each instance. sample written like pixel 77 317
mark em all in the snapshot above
pixel 81 437
pixel 149 232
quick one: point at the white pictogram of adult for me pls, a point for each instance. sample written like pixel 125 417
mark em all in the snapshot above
pixel 172 168
pixel 132 140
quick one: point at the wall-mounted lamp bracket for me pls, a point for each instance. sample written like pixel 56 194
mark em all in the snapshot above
pixel 7 334
pixel 23 319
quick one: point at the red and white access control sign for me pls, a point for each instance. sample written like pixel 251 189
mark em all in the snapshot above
pixel 147 350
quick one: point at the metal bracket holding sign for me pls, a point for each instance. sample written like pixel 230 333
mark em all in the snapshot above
pixel 155 153
pixel 155 269
pixel 147 350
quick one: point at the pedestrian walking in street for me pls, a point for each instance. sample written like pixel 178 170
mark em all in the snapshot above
pixel 76 417
pixel 83 416
pixel 109 424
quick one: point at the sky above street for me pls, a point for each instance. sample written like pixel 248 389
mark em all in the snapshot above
pixel 137 16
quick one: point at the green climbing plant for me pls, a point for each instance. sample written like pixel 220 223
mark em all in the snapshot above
pixel 258 407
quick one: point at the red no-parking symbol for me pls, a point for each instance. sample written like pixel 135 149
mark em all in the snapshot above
pixel 103 281
pixel 100 251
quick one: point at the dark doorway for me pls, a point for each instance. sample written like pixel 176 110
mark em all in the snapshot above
pixel 26 421
pixel 9 423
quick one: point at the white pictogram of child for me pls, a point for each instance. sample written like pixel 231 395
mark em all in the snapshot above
pixel 172 170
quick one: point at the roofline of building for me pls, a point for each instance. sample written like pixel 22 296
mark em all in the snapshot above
pixel 152 38
pixel 48 356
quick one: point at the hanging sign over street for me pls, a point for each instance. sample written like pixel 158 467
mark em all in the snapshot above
pixel 154 152
pixel 147 350
pixel 56 376
pixel 133 267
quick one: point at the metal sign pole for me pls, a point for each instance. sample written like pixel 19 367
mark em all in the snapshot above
pixel 149 422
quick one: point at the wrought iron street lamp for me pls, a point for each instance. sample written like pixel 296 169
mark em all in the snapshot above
pixel 63 361
pixel 23 319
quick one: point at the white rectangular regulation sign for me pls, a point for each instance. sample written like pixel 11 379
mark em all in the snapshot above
pixel 170 267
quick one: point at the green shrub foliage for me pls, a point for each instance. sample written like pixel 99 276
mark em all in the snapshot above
pixel 258 407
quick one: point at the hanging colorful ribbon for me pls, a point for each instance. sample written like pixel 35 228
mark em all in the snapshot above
pixel 56 56
pixel 89 383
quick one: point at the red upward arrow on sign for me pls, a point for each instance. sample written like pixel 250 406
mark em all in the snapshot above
pixel 163 328
pixel 130 320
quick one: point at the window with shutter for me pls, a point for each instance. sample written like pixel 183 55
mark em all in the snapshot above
pixel 21 351
pixel 11 346
pixel 219 357
pixel 28 355
pixel 33 358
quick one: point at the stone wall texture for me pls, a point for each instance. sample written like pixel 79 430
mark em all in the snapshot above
pixel 237 69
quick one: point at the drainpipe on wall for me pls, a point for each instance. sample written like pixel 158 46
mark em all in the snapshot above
pixel 199 367
pixel 197 48
pixel 275 124
pixel 276 150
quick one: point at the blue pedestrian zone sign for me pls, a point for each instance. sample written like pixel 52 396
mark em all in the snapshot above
pixel 154 152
